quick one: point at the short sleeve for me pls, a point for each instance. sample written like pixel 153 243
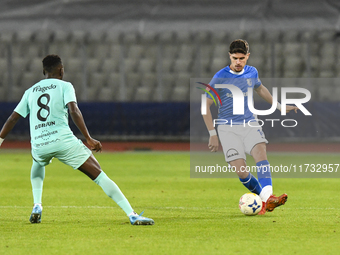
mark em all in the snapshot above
pixel 214 80
pixel 23 108
pixel 69 94
pixel 257 80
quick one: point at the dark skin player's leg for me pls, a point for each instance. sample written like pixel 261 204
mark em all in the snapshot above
pixel 91 167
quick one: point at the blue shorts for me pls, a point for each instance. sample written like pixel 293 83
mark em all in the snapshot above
pixel 74 156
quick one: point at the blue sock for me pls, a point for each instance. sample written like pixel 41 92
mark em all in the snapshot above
pixel 263 173
pixel 251 183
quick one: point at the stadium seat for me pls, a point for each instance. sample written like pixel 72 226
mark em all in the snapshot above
pixel 77 80
pixel 110 65
pixel 291 36
pixel 203 36
pixel 106 94
pixel 19 65
pixel 169 51
pixel 151 51
pixel 293 67
pixel 183 78
pixel 94 84
pixel 4 84
pixel 218 63
pixel 130 65
pixel 143 94
pixel 92 64
pixel 135 51
pixel 148 37
pixel 258 49
pixel 328 50
pixel 28 79
pixel 114 80
pixel 167 65
pixel 113 37
pixel 255 37
pixel 146 65
pixel 326 36
pixel 97 79
pixel 182 65
pixel 293 49
pixel 221 37
pixel 167 37
pixel 327 74
pixel 221 51
pixel 133 81
pixel 186 51
pixel 149 80
pixel 326 90
pixel 130 38
pixel 163 92
pixel 74 65
pixel 3 65
pixel 16 93
pixel 181 88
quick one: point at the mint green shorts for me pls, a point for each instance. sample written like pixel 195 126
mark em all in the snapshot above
pixel 74 156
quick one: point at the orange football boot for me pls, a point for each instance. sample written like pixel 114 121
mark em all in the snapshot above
pixel 274 201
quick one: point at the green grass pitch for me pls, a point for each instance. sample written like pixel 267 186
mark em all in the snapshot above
pixel 192 216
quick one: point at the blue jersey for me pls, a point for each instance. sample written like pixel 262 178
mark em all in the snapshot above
pixel 247 78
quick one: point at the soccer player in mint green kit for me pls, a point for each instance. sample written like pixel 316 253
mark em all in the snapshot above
pixel 48 102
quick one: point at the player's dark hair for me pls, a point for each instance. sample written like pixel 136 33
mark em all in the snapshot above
pixel 50 62
pixel 239 46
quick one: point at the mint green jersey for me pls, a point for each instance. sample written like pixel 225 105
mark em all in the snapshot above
pixel 46 103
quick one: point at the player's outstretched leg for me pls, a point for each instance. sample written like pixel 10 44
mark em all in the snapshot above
pixel 112 190
pixel 92 169
pixel 37 179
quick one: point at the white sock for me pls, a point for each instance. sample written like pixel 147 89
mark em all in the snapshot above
pixel 266 192
pixel 38 204
pixel 133 214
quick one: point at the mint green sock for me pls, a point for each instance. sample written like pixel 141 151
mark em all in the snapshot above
pixel 37 179
pixel 112 190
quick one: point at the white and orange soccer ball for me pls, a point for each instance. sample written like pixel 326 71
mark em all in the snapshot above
pixel 250 204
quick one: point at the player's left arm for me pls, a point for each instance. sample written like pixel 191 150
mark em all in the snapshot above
pixel 9 125
pixel 78 119
pixel 263 92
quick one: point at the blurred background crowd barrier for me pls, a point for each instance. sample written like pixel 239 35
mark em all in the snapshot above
pixel 131 62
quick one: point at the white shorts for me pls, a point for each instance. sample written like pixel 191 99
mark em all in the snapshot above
pixel 238 140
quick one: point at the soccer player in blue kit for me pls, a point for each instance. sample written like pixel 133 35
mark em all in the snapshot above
pixel 236 136
pixel 48 103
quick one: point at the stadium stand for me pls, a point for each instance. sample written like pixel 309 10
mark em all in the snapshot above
pixel 108 66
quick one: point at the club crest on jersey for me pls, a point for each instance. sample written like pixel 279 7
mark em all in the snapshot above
pixel 249 82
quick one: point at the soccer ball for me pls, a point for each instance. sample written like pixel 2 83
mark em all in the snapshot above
pixel 250 204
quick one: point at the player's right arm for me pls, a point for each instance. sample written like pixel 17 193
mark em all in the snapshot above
pixel 213 140
pixel 9 125
pixel 78 119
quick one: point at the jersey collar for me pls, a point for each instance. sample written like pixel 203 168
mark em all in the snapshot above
pixel 237 73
